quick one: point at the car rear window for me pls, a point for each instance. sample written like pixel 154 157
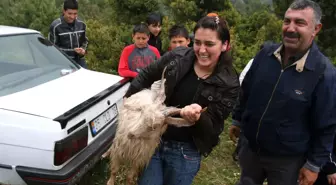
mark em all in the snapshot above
pixel 30 60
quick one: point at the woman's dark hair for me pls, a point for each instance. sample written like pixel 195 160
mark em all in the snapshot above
pixel 217 24
pixel 154 18
pixel 70 4
pixel 141 28
pixel 178 30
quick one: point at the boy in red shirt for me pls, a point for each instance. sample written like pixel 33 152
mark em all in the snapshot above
pixel 137 56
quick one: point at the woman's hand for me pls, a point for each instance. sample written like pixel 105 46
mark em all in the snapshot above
pixel 191 113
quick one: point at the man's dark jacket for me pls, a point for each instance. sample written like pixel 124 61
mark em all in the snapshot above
pixel 156 42
pixel 290 111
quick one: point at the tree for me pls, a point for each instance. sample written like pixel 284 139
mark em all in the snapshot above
pixel 133 11
pixel 206 6
pixel 110 22
pixel 251 33
pixel 326 38
pixel 281 6
pixel 248 7
pixel 105 45
pixel 35 14
pixel 180 11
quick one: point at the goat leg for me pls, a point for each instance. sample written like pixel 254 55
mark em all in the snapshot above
pixel 132 176
pixel 114 167
pixel 107 153
pixel 180 122
pixel 171 111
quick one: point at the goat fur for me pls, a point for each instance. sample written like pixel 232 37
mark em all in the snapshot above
pixel 142 120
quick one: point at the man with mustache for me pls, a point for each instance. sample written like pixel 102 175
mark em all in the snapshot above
pixel 287 105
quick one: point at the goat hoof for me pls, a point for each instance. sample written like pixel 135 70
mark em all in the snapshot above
pixel 105 155
pixel 110 182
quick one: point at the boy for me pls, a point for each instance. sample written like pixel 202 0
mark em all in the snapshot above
pixel 137 56
pixel 178 36
pixel 154 23
pixel 69 33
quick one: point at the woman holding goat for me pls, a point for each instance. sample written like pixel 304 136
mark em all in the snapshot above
pixel 202 76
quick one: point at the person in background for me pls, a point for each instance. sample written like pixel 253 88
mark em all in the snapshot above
pixel 178 36
pixel 191 38
pixel 203 77
pixel 137 56
pixel 154 22
pixel 68 33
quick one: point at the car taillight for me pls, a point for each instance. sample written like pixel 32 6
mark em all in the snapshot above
pixel 68 147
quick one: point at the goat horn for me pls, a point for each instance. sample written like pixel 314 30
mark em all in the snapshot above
pixel 162 87
pixel 163 72
pixel 162 81
pixel 160 97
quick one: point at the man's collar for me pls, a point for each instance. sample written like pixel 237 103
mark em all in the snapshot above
pixel 300 59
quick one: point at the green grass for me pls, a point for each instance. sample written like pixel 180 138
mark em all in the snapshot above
pixel 217 169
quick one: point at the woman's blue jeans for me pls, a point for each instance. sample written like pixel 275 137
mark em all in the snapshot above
pixel 174 163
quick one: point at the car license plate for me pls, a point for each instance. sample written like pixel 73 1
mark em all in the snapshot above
pixel 103 120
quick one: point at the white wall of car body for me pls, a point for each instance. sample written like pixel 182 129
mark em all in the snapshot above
pixel 54 98
pixel 23 134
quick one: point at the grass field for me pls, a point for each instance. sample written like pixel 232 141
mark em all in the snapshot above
pixel 216 169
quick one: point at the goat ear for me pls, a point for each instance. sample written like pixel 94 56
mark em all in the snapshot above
pixel 131 107
pixel 171 111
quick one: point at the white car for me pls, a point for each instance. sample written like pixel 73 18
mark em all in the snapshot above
pixel 56 118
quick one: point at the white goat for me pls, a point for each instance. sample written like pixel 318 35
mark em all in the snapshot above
pixel 142 120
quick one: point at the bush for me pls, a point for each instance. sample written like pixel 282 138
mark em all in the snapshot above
pixel 106 43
